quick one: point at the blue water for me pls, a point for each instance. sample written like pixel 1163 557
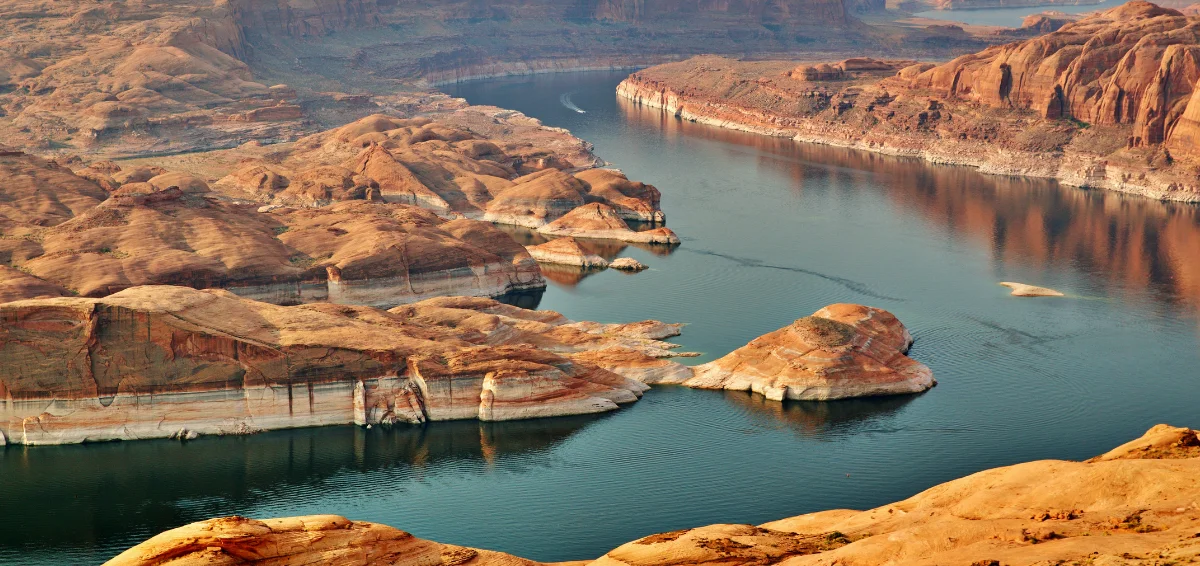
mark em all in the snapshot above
pixel 771 231
pixel 1011 17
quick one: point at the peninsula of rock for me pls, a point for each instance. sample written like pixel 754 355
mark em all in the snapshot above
pixel 163 361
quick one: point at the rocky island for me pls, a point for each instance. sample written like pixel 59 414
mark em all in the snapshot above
pixel 1134 504
pixel 840 351
pixel 1107 102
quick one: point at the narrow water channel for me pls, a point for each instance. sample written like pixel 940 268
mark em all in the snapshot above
pixel 771 231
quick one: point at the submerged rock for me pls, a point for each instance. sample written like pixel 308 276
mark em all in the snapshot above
pixel 841 351
pixel 1023 290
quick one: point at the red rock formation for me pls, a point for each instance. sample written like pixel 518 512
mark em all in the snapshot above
pixel 1103 102
pixel 840 351
pixel 150 362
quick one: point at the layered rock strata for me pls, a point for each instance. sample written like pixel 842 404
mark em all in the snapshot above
pixel 160 361
pixel 63 233
pixel 1103 102
pixel 1133 505
pixel 449 169
pixel 840 351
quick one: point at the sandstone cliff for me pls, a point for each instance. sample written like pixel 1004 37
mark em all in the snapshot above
pixel 153 362
pixel 1133 505
pixel 1103 102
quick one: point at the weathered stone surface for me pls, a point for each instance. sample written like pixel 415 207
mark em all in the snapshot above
pixel 840 351
pixel 601 221
pixel 293 541
pixel 566 251
pixel 1136 501
pixel 150 362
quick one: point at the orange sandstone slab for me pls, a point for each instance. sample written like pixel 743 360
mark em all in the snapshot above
pixel 841 351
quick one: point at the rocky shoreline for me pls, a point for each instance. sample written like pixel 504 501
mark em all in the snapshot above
pixel 921 110
pixel 1076 170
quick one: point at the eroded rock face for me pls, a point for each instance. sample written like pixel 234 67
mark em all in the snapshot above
pixel 1103 102
pixel 1135 501
pixel 840 351
pixel 157 361
pixel 313 539
pixel 452 171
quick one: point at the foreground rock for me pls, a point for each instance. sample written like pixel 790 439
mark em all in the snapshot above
pixel 1024 290
pixel 840 351
pixel 1034 108
pixel 627 264
pixel 157 361
pixel 1133 505
pixel 315 539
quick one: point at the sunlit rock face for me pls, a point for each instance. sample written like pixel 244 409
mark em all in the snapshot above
pixel 840 351
pixel 160 361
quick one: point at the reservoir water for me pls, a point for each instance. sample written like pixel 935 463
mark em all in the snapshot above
pixel 771 231
pixel 1011 17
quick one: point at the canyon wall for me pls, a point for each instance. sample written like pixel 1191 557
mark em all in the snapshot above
pixel 1103 102
pixel 158 361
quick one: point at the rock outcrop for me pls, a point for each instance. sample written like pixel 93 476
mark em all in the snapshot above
pixel 1135 504
pixel 840 351
pixel 1104 102
pixel 566 251
pixel 158 361
pixel 627 264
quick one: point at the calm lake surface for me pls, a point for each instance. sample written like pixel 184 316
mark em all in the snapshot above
pixel 771 231
pixel 1011 17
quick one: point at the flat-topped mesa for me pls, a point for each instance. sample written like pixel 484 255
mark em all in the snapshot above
pixel 1136 500
pixel 1108 101
pixel 840 351
pixel 160 361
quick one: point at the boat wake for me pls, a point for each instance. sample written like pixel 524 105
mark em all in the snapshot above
pixel 565 99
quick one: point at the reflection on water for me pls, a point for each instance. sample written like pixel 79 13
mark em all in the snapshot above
pixel 152 485
pixel 570 275
pixel 1130 243
pixel 817 419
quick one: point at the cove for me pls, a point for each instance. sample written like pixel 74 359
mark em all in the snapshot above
pixel 772 231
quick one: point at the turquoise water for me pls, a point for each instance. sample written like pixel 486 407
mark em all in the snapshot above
pixel 771 231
